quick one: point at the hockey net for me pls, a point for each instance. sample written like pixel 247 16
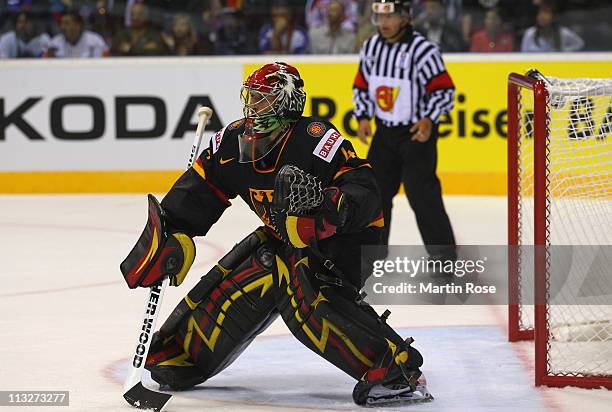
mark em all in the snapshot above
pixel 560 226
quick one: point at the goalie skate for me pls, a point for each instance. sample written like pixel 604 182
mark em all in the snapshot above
pixel 382 395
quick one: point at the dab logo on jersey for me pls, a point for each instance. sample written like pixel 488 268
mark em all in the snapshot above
pixel 385 97
pixel 261 199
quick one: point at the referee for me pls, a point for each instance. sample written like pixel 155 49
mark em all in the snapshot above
pixel 403 83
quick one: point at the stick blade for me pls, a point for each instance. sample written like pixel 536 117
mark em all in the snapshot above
pixel 142 398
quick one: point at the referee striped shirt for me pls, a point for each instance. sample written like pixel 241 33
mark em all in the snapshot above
pixel 401 82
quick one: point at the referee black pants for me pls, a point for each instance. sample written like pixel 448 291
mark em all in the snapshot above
pixel 397 159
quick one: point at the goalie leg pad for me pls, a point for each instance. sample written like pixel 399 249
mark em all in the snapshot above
pixel 221 325
pixel 329 321
pixel 158 254
pixel 170 366
pixel 325 318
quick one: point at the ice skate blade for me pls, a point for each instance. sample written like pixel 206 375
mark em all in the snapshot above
pixel 400 397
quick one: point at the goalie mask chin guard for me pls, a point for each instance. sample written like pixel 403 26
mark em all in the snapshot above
pixel 253 146
pixel 272 97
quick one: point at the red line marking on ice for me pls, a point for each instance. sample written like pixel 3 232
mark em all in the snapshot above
pixel 43 291
pixel 218 250
pixel 202 241
pixel 109 371
pixel 68 227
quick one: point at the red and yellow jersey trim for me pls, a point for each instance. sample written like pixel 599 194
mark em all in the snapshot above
pixel 198 167
pixel 345 169
pixel 378 222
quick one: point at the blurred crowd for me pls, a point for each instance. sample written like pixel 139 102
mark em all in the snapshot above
pixel 94 28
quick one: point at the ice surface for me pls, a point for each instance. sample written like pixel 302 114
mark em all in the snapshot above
pixel 69 322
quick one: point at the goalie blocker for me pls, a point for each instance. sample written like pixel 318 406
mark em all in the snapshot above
pixel 158 254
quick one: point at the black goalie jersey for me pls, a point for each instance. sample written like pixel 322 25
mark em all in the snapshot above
pixel 202 193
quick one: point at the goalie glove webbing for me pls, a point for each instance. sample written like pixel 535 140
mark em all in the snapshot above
pixel 296 192
pixel 303 212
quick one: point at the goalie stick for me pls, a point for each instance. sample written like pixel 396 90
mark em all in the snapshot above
pixel 134 391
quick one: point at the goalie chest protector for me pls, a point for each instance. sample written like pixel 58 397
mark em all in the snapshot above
pixel 311 144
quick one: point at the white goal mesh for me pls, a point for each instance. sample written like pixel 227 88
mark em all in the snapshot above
pixel 578 224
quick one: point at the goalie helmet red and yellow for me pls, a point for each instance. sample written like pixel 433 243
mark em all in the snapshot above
pixel 272 97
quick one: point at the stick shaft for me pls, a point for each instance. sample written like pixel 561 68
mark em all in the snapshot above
pixel 156 293
pixel 204 115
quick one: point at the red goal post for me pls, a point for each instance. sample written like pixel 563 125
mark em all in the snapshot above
pixel 568 338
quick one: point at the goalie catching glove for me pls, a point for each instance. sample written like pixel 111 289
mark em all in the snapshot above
pixel 303 212
pixel 158 254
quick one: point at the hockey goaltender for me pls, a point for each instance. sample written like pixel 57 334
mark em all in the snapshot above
pixel 319 204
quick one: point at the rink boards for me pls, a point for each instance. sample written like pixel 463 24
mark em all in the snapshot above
pixel 126 125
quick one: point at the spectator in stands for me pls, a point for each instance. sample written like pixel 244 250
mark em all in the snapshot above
pixel 107 18
pixel 210 18
pixel 140 39
pixel 492 38
pixel 365 28
pixel 75 41
pixel 84 7
pixel 161 12
pixel 23 41
pixel 316 12
pixel 548 35
pixel 232 37
pixel 57 9
pixel 183 40
pixel 38 13
pixel 332 38
pixel 454 14
pixel 435 27
pixel 282 35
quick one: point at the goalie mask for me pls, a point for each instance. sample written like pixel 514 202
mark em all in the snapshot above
pixel 272 97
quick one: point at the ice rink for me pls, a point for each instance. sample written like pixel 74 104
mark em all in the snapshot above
pixel 69 322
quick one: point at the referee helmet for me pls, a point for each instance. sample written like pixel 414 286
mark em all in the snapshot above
pixel 379 7
pixel 390 6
